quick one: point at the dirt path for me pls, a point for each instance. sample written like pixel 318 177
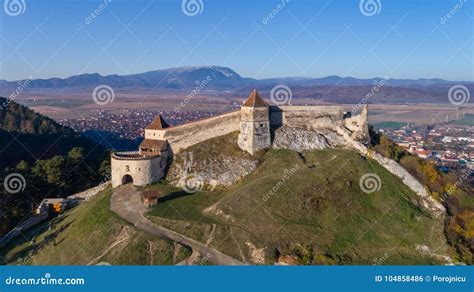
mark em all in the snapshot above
pixel 190 260
pixel 212 234
pixel 123 236
pixel 126 203
pixel 237 243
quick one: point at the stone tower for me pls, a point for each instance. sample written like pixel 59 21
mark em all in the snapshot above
pixel 254 124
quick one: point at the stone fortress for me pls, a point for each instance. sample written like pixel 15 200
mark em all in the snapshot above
pixel 261 126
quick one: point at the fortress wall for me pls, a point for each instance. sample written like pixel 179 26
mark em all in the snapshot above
pixel 359 126
pixel 184 136
pixel 306 117
pixel 89 193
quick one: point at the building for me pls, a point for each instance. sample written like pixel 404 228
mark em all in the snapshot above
pixel 146 165
pixel 256 122
pixel 424 154
pixel 53 206
pixel 150 198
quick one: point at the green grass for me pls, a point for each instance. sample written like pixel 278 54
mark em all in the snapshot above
pixel 184 206
pixel 319 206
pixel 467 120
pixel 389 125
pixel 84 236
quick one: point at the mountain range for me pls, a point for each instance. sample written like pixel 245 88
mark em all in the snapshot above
pixel 219 78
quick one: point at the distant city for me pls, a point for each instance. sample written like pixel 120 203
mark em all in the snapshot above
pixel 451 146
pixel 124 131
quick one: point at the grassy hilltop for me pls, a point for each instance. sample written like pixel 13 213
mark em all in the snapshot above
pixel 316 214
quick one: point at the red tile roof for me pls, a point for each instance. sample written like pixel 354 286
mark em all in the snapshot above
pixel 158 124
pixel 151 194
pixel 154 144
pixel 254 100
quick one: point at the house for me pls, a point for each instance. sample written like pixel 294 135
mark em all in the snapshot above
pixel 53 206
pixel 404 144
pixel 150 198
pixel 447 139
pixel 424 154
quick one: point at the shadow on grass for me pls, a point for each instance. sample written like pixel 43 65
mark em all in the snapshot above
pixel 24 255
pixel 173 196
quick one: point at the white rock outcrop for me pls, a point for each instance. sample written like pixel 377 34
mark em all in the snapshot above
pixel 211 172
pixel 297 139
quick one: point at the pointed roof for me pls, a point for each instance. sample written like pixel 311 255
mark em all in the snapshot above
pixel 254 100
pixel 158 124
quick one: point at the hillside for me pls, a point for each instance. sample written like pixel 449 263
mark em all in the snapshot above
pixel 89 235
pixel 18 118
pixel 317 214
pixel 49 160
pixel 295 208
pixel 27 135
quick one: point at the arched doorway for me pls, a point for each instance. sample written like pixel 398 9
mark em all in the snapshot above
pixel 127 179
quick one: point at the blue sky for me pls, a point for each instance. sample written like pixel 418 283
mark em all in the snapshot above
pixel 406 39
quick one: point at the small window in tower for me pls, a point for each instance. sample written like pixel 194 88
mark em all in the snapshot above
pixel 261 125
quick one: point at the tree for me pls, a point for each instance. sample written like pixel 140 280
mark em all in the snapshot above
pixel 22 166
pixel 54 171
pixel 75 155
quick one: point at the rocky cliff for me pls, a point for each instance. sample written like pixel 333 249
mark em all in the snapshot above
pixel 300 140
pixel 215 163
